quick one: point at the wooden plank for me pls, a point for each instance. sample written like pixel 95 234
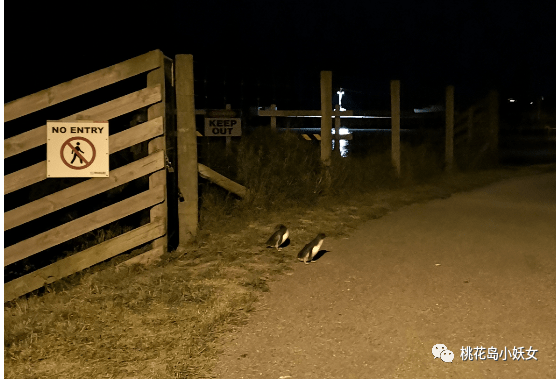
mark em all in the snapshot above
pixel 326 119
pixel 25 177
pixel 493 127
pixel 81 85
pixel 117 142
pixel 470 121
pixel 83 225
pixel 222 181
pixel 161 77
pixel 461 117
pixel 296 113
pixel 449 140
pixel 82 260
pixel 460 129
pixel 83 190
pixel 146 258
pixel 273 118
pixel 459 139
pixel 117 107
pixel 188 210
pixel 137 134
pixel 337 126
pixel 395 107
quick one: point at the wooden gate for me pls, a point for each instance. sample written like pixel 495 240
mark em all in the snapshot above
pixel 155 99
pixel 475 134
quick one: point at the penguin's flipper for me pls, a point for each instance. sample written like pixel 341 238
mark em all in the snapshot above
pixel 302 255
pixel 273 240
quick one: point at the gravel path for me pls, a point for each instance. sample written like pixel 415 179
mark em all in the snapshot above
pixel 477 269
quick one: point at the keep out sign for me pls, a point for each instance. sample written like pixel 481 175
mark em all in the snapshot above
pixel 77 149
pixel 222 127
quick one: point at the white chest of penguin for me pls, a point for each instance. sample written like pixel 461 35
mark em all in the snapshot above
pixel 316 249
pixel 286 235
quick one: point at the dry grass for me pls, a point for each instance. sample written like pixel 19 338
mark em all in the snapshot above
pixel 164 321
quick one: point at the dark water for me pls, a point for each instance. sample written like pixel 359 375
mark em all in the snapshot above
pixel 527 147
pixel 363 141
pixel 514 149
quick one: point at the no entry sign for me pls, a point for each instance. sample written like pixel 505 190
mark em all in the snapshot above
pixel 77 149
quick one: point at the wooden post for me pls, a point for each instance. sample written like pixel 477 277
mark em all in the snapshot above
pixel 326 117
pixel 337 125
pixel 449 151
pixel 469 144
pixel 159 212
pixel 228 139
pixel 493 125
pixel 188 210
pixel 273 118
pixel 471 113
pixel 395 106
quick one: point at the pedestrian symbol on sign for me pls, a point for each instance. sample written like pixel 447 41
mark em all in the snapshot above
pixel 86 156
pixel 75 153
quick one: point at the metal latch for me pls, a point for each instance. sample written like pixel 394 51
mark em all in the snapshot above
pixel 169 164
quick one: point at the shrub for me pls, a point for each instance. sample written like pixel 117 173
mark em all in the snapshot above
pixel 278 168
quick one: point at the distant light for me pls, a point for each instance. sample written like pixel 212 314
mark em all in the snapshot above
pixel 432 108
pixel 511 100
pixel 348 116
pixel 542 97
pixel 343 131
pixel 340 94
pixel 531 102
pixel 343 143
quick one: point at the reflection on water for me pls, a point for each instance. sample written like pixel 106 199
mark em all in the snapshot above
pixel 361 140
pixel 343 142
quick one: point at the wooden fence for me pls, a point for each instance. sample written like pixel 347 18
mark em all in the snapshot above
pixel 475 134
pixel 159 82
pixel 169 102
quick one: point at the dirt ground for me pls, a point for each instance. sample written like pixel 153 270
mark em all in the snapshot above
pixel 474 270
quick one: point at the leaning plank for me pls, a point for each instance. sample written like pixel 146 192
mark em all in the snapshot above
pixel 222 181
pixel 117 142
pixel 83 225
pixel 82 260
pixel 102 112
pixel 81 85
pixel 83 190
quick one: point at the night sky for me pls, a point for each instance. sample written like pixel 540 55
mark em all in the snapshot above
pixel 280 47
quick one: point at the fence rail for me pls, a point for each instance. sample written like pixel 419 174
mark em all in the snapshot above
pixel 82 191
pixel 81 85
pixel 84 259
pixel 125 104
pixel 117 142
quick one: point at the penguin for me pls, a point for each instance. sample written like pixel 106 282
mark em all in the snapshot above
pixel 311 249
pixel 279 237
